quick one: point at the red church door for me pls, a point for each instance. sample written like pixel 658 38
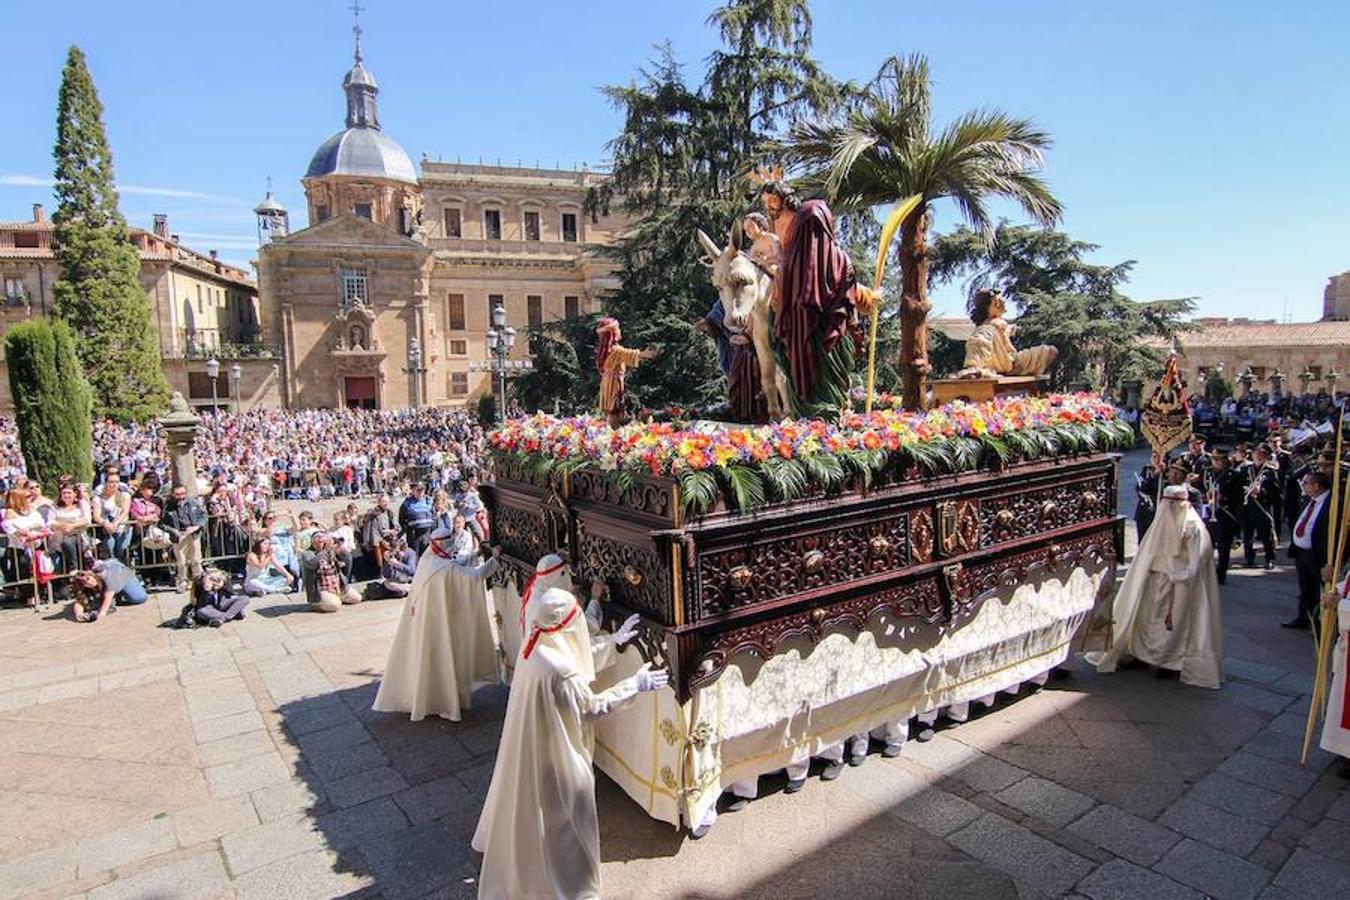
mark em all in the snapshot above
pixel 360 393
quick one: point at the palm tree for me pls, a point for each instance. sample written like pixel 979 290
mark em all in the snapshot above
pixel 885 150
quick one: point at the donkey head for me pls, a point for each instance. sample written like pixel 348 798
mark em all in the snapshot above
pixel 736 278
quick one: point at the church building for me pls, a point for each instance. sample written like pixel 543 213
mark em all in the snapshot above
pixel 385 300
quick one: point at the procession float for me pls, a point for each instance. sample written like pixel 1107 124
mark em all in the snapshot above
pixel 811 571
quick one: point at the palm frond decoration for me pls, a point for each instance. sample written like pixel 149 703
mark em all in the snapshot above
pixel 747 488
pixel 996 448
pixel 699 490
pixel 826 471
pixel 934 457
pixel 786 478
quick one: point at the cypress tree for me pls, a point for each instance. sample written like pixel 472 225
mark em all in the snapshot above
pixel 99 292
pixel 51 402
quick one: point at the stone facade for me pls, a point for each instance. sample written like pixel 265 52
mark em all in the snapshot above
pixel 200 305
pixel 391 258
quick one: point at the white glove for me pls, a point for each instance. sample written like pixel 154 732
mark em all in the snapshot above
pixel 627 631
pixel 649 679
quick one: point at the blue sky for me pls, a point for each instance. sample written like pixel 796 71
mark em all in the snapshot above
pixel 1206 140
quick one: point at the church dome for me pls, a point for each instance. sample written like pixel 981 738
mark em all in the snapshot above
pixel 363 151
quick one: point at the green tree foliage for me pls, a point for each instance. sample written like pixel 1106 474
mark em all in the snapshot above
pixel 564 373
pixel 679 164
pixel 99 292
pixel 882 147
pixel 51 402
pixel 1103 336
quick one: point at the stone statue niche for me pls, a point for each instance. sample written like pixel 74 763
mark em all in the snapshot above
pixel 989 350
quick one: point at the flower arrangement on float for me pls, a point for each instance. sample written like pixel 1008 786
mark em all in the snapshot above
pixel 786 460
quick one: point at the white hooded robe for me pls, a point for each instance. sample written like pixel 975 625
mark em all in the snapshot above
pixel 539 832
pixel 443 648
pixel 1336 727
pixel 1173 573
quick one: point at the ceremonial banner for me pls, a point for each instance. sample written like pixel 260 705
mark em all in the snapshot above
pixel 1166 418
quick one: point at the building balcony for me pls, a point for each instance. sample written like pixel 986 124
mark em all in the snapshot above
pixel 203 343
pixel 19 300
pixel 480 247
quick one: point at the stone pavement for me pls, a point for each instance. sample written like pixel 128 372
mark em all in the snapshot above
pixel 245 762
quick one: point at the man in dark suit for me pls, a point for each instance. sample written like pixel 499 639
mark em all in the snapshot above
pixel 1309 546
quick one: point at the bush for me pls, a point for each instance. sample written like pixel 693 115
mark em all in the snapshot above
pixel 487 411
pixel 51 402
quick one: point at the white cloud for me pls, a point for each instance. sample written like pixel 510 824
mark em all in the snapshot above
pixel 33 181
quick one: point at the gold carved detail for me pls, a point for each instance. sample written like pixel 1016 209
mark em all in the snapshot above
pixel 669 732
pixel 668 777
pixel 813 561
pixel 879 545
pixel 921 536
pixel 701 734
pixel 1090 500
pixel 1048 509
pixel 740 577
pixel 1005 518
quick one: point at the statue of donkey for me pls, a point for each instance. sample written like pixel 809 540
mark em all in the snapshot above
pixel 746 292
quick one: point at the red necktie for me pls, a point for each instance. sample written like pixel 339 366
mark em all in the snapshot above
pixel 1302 528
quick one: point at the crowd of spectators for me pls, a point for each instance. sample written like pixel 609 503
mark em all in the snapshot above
pixel 1257 415
pixel 403 473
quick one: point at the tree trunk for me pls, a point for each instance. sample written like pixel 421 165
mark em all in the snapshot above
pixel 914 305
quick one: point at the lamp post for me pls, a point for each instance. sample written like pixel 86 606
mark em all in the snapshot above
pixel 1248 378
pixel 213 372
pixel 500 339
pixel 1276 383
pixel 1306 376
pixel 236 375
pixel 1332 376
pixel 415 370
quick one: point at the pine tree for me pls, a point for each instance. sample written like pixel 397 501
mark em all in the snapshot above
pixel 99 292
pixel 51 402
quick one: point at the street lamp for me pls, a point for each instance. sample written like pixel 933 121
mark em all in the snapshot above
pixel 1331 378
pixel 1248 378
pixel 1276 383
pixel 213 372
pixel 415 370
pixel 236 375
pixel 500 338
pixel 1306 376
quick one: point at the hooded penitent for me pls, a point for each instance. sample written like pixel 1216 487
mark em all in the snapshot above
pixel 443 648
pixel 1166 612
pixel 539 833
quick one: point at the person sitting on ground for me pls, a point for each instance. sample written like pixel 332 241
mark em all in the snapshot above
pixel 325 588
pixel 282 537
pixel 400 563
pixel 212 603
pixel 96 591
pixel 262 575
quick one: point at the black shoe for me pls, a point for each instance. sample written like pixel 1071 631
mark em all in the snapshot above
pixel 891 751
pixel 857 759
pixel 736 804
pixel 216 623
pixel 1296 623
pixel 794 785
pixel 1270 564
pixel 925 735
pixel 832 771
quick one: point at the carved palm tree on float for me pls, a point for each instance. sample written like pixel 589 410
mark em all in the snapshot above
pixel 885 150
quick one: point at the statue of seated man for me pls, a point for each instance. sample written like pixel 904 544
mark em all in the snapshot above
pixel 990 351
